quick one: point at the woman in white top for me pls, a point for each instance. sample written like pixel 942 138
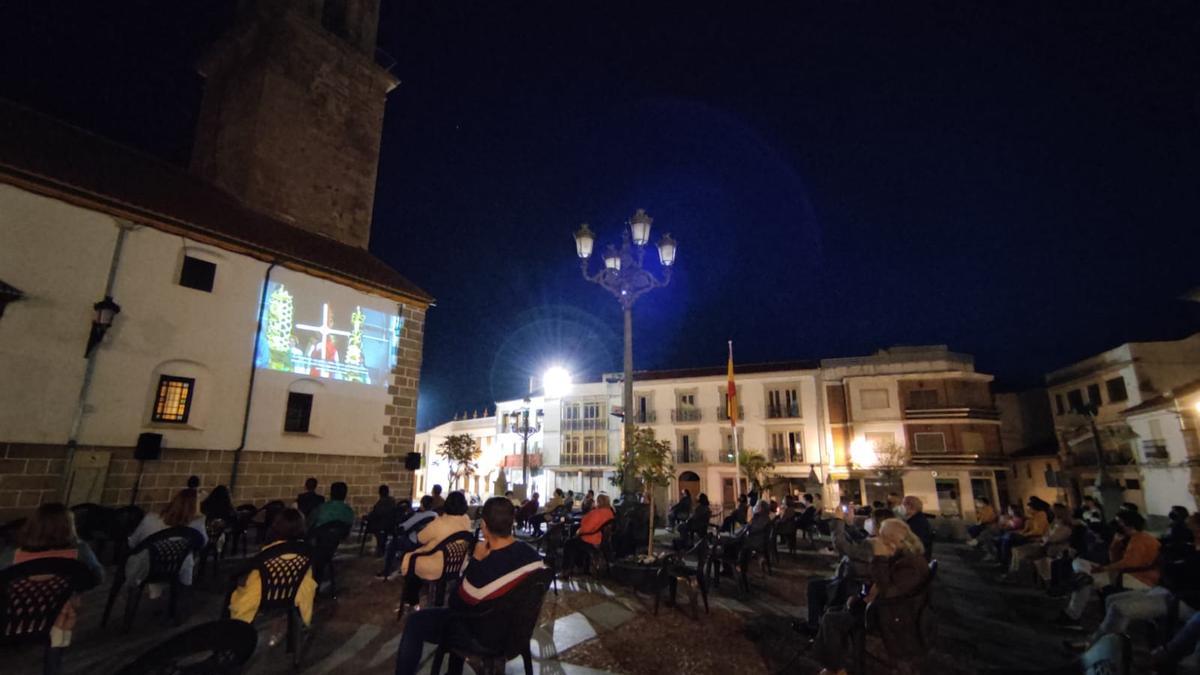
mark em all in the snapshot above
pixel 182 510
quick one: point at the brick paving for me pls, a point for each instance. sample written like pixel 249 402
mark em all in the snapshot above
pixel 598 627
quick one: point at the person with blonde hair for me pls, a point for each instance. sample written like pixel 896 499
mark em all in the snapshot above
pixel 182 511
pixel 898 573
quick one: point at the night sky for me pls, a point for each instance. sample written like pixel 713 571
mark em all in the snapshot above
pixel 1018 181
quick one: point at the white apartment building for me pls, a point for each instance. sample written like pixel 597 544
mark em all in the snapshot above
pixel 818 422
pixel 1123 384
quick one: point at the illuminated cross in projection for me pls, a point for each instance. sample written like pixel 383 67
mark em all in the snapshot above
pixel 325 329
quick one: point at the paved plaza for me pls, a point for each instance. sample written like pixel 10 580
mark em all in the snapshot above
pixel 600 626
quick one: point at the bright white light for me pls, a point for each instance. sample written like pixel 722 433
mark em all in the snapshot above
pixel 862 453
pixel 1198 406
pixel 556 383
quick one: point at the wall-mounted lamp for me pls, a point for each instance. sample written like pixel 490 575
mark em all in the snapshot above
pixel 106 310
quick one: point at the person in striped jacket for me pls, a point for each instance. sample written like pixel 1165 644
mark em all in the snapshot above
pixel 498 564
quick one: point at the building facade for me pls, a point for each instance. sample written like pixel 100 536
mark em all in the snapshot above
pixel 1168 431
pixel 1104 387
pixel 247 350
pixel 821 424
pixel 1030 447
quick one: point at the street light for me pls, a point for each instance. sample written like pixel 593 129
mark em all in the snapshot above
pixel 524 430
pixel 556 382
pixel 625 277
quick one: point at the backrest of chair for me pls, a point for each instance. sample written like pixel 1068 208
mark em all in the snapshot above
pixel 125 520
pixel 215 526
pixel 34 592
pixel 325 538
pixel 168 550
pixel 91 519
pixel 1110 655
pixel 210 648
pixel 510 626
pixel 455 550
pixel 281 569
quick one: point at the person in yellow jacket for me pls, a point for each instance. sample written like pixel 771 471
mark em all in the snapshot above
pixel 243 604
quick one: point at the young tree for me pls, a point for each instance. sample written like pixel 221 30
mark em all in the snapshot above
pixel 650 462
pixel 890 460
pixel 758 470
pixel 460 451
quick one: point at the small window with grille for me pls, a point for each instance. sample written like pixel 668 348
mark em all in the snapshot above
pixel 299 411
pixel 174 401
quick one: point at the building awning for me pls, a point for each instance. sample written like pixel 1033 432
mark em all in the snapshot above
pixel 514 461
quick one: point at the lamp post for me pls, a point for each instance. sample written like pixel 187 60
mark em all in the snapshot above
pixel 624 276
pixel 525 431
pixel 1110 491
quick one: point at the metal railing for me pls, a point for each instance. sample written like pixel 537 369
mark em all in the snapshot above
pixel 782 456
pixel 776 412
pixel 725 457
pixel 689 456
pixel 723 413
pixel 584 459
pixel 516 428
pixel 685 415
pixel 947 412
pixel 585 424
pixel 645 417
pixel 1155 451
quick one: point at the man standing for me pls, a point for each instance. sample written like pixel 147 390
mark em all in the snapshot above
pixel 309 499
pixel 439 503
pixel 497 566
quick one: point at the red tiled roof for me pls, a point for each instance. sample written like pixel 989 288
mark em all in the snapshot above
pixel 52 158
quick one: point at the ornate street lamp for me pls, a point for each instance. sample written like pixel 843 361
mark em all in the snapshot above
pixel 105 311
pixel 625 277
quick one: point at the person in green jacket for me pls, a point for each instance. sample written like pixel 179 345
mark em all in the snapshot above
pixel 334 509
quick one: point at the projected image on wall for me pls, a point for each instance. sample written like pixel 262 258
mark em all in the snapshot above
pixel 313 336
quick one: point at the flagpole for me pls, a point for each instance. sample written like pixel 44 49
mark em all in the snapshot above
pixel 731 402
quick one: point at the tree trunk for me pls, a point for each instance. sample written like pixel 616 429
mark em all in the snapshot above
pixel 650 544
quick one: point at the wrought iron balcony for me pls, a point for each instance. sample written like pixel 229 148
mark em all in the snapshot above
pixel 726 457
pixel 1155 451
pixel 685 415
pixel 585 424
pixel 689 456
pixel 645 417
pixel 777 412
pixel 964 412
pixel 782 456
pixel 584 459
pixel 723 413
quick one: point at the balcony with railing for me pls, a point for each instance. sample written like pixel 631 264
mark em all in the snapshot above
pixel 783 456
pixel 938 411
pixel 689 456
pixel 1085 457
pixel 516 427
pixel 645 417
pixel 686 415
pixel 723 413
pixel 598 458
pixel 783 411
pixel 585 424
pixel 725 456
pixel 1155 452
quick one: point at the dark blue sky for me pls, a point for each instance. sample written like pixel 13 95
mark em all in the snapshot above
pixel 1017 181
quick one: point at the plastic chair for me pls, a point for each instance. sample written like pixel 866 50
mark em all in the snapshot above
pixel 215 528
pixel 168 549
pixel 214 648
pixel 380 527
pixel 281 569
pixel 242 525
pixel 683 570
pixel 454 549
pixel 268 511
pixel 324 541
pixel 124 521
pixel 488 639
pixel 93 524
pixel 31 596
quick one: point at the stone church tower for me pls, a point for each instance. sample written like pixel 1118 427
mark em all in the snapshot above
pixel 293 111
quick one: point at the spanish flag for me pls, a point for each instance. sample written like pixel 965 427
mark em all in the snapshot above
pixel 731 392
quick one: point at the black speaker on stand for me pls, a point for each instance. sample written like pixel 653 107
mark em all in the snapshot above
pixel 149 448
pixel 413 461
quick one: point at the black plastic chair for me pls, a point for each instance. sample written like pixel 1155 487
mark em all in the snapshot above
pixel 124 521
pixel 281 570
pixel 381 527
pixel 324 541
pixel 93 524
pixel 269 511
pixel 785 531
pixel 31 596
pixel 683 569
pixel 168 549
pixel 488 639
pixel 455 550
pixel 241 525
pixel 217 529
pixel 214 648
